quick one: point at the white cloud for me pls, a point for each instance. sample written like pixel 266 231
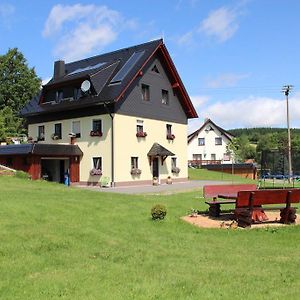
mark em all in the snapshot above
pixel 225 80
pixel 249 112
pixel 185 39
pixel 81 29
pixel 220 24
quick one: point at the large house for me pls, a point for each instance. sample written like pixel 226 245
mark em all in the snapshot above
pixel 120 115
pixel 208 145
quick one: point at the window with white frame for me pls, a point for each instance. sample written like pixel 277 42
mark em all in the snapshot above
pixel 165 97
pixel 218 141
pixel 213 156
pixel 226 156
pixel 97 163
pixel 197 156
pixel 134 162
pixel 201 141
pixel 139 126
pixel 76 128
pixel 174 162
pixel 41 133
pixel 58 130
pixel 97 125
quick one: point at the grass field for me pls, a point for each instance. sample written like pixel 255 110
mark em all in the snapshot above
pixel 65 243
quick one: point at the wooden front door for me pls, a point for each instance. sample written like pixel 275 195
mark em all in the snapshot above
pixel 155 167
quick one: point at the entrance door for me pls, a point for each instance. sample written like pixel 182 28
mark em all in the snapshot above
pixel 155 167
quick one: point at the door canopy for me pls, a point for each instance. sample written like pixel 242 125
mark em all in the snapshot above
pixel 158 150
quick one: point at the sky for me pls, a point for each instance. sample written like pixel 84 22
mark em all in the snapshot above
pixel 233 56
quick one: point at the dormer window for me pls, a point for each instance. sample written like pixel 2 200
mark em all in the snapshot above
pixel 59 96
pixel 77 93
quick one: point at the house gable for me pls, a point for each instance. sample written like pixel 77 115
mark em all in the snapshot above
pixel 156 79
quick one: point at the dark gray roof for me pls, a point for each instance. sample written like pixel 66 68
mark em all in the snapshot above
pixel 109 65
pixel 41 149
pixel 159 150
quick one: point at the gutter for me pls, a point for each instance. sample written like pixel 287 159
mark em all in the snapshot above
pixel 112 145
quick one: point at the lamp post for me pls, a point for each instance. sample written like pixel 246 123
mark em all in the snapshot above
pixel 286 90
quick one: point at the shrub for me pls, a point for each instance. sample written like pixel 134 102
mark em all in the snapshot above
pixel 158 212
pixel 22 175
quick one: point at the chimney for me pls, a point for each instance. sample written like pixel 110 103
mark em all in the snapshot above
pixel 59 69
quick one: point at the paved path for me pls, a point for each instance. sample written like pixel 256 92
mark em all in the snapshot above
pixel 163 188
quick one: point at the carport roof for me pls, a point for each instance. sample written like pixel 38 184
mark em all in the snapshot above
pixel 41 149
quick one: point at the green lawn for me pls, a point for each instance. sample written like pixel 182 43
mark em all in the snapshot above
pixel 203 174
pixel 65 243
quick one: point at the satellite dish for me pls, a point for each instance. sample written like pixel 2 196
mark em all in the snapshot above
pixel 85 86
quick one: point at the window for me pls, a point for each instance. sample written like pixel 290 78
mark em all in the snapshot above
pixel 174 162
pixel 139 128
pixel 96 128
pixel 155 69
pixel 201 141
pixel 169 129
pixel 97 125
pixel 76 128
pixel 165 97
pixel 59 96
pixel 77 93
pixel 197 156
pixel 97 163
pixel 134 162
pixel 57 130
pixel 218 141
pixel 145 92
pixel 170 135
pixel 41 133
pixel 226 156
pixel 213 156
pixel 127 67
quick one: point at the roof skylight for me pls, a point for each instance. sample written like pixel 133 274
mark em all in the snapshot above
pixel 127 67
pixel 79 70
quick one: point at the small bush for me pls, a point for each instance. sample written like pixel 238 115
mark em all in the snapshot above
pixel 22 175
pixel 158 212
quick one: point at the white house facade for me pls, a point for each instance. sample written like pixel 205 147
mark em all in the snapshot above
pixel 208 145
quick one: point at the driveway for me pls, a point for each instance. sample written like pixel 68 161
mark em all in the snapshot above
pixel 158 189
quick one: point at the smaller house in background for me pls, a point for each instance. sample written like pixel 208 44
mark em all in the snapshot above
pixel 208 145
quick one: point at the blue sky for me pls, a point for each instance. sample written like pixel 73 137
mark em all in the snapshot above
pixel 233 56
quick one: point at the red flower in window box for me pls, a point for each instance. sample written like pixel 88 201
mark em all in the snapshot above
pixel 141 134
pixel 170 136
pixel 95 133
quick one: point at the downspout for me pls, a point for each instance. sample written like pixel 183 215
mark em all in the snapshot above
pixel 112 146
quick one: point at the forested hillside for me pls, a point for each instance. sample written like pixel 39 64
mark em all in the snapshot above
pixel 254 134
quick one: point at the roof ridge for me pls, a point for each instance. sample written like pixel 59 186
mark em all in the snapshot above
pixel 113 52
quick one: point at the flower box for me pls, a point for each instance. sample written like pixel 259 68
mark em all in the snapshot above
pixel 175 170
pixel 170 137
pixel 135 171
pixel 54 137
pixel 95 133
pixel 96 172
pixel 141 134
